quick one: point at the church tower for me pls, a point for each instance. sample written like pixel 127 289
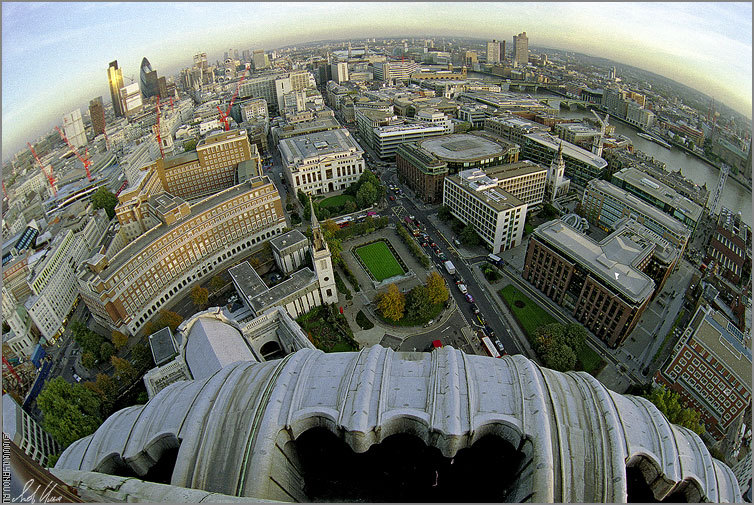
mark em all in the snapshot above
pixel 555 175
pixel 322 261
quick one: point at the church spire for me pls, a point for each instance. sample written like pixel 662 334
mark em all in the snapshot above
pixel 315 222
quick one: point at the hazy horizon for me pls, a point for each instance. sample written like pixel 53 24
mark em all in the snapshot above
pixel 53 63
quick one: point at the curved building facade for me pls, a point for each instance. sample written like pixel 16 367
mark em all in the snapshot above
pixel 236 431
pixel 147 79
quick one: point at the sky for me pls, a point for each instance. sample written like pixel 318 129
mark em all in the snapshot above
pixel 55 55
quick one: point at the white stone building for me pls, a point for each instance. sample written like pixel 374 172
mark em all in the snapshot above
pixel 321 162
pixel 27 434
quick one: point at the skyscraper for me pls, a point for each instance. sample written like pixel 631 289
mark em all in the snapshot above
pixel 259 58
pixel 115 80
pixel 97 113
pixel 493 52
pixel 339 72
pixel 148 79
pixel 73 125
pixel 520 49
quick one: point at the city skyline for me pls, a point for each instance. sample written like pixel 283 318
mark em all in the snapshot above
pixel 49 47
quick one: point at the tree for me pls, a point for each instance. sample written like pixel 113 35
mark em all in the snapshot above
pixel 189 145
pixel 366 195
pixel 468 236
pixel 106 350
pixel 350 206
pixel 548 211
pixel 392 303
pixel 199 296
pixel 70 411
pixel 437 291
pixel 106 390
pixel 445 214
pixel 575 337
pixel 141 357
pixel 669 403
pixel 329 229
pixel 167 319
pixel 217 283
pixel 119 339
pixel 88 360
pixel 418 305
pixel 124 370
pixel 104 199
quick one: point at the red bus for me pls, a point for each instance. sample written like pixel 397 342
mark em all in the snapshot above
pixel 491 349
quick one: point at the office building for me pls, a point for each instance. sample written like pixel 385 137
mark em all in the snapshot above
pixel 73 127
pixel 565 437
pixel 97 113
pixel 727 250
pixel 148 80
pixel 581 166
pixel 606 285
pixel 476 199
pixel 255 108
pixel 131 102
pixel 115 81
pixel 711 369
pixel 604 204
pixel 513 128
pixel 494 52
pixel 53 283
pixel 260 59
pixel 27 434
pixel 520 50
pixel 423 165
pixel 659 195
pixel 321 162
pixel 394 70
pixel 187 245
pixel 293 81
pixel 339 72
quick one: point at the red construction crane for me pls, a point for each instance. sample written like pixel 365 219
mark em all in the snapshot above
pixel 5 192
pixel 159 138
pixel 50 176
pixel 224 115
pixel 86 161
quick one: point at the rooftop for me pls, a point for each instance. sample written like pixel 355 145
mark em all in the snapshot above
pixel 302 147
pixel 654 213
pixel 286 240
pixel 569 150
pixel 486 189
pixel 660 191
pixel 722 337
pixel 261 297
pixel 461 147
pixel 128 252
pixel 611 261
pixel 510 170
pixel 163 346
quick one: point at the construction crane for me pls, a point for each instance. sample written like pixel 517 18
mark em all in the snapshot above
pixel 86 161
pixel 5 192
pixel 224 115
pixel 598 140
pixel 157 131
pixel 50 176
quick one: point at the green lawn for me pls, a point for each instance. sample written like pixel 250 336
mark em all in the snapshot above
pixel 336 201
pixel 590 360
pixel 379 260
pixel 530 316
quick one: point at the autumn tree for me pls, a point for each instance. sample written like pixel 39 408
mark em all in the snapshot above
pixel 88 360
pixel 392 303
pixel 106 390
pixel 124 370
pixel 119 339
pixel 437 291
pixel 69 411
pixel 199 296
pixel 217 283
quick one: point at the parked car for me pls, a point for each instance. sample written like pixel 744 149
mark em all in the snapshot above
pixel 500 347
pixel 489 331
pixel 462 288
pixel 456 242
pixel 77 378
pixel 474 308
pixel 469 298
